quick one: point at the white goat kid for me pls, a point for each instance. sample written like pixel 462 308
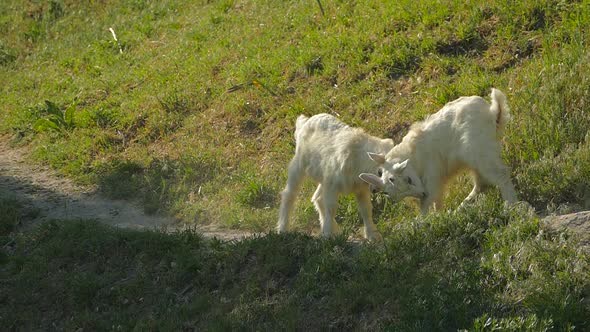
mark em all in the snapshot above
pixel 465 133
pixel 334 154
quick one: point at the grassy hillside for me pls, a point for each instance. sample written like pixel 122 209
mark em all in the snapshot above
pixel 484 270
pixel 191 112
pixel 195 103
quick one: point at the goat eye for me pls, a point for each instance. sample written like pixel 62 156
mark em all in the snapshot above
pixel 391 180
pixel 410 181
pixel 379 172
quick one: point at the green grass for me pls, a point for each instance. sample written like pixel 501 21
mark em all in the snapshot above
pixel 473 270
pixel 199 107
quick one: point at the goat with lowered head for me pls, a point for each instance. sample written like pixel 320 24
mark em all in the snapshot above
pixel 464 134
pixel 333 154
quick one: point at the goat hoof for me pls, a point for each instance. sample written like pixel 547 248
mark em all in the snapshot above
pixel 374 237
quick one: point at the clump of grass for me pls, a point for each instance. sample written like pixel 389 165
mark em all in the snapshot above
pixel 9 215
pixel 257 194
pixel 7 55
pixel 527 323
pixel 120 178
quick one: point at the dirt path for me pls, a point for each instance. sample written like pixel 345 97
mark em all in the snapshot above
pixel 47 196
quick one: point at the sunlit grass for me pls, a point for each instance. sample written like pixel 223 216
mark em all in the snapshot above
pixel 210 91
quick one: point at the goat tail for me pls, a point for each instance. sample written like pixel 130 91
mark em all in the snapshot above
pixel 301 120
pixel 500 109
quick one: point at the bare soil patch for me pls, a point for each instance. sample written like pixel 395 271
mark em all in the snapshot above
pixel 46 195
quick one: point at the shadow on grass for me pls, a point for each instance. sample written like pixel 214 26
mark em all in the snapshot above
pixel 159 184
pixel 26 202
pixel 437 275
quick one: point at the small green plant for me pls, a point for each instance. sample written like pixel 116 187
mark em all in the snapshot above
pixel 255 193
pixel 56 119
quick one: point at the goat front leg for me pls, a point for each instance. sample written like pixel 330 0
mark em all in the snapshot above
pixel 363 199
pixel 329 206
pixel 318 202
pixel 433 188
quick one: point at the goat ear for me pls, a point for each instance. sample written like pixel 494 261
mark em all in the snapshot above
pixel 376 157
pixel 372 179
pixel 398 168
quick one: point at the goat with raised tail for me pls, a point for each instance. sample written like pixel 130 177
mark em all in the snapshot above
pixel 464 134
pixel 334 154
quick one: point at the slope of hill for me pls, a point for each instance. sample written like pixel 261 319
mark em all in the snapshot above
pixel 188 108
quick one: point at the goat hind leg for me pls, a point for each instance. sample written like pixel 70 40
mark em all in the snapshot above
pixel 479 186
pixel 498 174
pixel 318 202
pixel 288 196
